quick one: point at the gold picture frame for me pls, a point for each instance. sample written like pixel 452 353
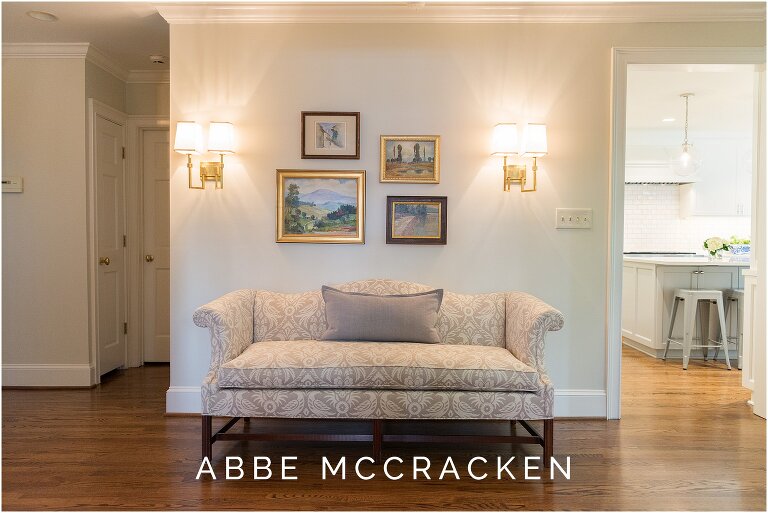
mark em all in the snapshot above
pixel 410 158
pixel 320 207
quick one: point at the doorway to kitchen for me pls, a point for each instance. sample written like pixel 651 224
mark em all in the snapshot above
pixel 686 157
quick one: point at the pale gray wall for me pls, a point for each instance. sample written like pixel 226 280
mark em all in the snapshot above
pixel 148 99
pixel 45 309
pixel 455 80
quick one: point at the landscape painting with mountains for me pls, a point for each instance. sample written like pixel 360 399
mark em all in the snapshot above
pixel 322 206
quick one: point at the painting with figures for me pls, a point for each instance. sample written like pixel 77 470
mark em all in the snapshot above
pixel 330 135
pixel 320 206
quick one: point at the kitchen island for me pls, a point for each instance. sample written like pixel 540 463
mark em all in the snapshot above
pixel 649 284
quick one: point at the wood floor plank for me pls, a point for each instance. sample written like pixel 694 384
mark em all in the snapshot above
pixel 687 441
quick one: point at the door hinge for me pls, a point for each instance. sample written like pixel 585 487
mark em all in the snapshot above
pixel 124 240
pixel 123 152
pixel 125 328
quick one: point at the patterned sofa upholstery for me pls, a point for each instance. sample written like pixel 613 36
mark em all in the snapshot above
pixel 267 359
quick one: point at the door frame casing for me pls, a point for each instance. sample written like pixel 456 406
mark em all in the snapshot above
pixel 97 109
pixel 137 125
pixel 621 58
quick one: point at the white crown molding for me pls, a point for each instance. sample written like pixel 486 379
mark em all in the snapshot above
pixel 447 12
pixel 64 51
pixel 140 76
pixel 45 50
pixel 103 61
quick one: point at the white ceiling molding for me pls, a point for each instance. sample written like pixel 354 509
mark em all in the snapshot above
pixel 100 59
pixel 45 50
pixel 140 76
pixel 444 12
pixel 64 51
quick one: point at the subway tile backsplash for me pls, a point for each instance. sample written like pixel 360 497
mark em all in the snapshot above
pixel 652 221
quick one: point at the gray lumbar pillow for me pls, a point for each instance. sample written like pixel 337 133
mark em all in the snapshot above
pixel 368 317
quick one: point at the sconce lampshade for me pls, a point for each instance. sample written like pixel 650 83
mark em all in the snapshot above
pixel 535 140
pixel 505 139
pixel 188 138
pixel 221 138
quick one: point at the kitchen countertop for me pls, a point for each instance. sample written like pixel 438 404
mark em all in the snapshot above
pixel 684 261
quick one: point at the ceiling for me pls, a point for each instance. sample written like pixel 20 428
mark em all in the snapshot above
pixel 128 32
pixel 722 101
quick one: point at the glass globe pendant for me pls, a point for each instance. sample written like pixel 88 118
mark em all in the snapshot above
pixel 687 163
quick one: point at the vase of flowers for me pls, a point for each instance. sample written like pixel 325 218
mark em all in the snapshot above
pixel 740 249
pixel 715 247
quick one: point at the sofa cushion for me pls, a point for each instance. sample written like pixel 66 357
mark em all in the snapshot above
pixel 473 319
pixel 313 364
pixel 370 317
pixel 279 316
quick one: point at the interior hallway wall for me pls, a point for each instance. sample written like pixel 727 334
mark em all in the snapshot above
pixel 45 308
pixel 455 80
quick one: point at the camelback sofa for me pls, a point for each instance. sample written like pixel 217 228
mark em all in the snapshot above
pixel 267 360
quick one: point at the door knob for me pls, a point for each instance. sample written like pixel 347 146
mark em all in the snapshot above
pixel 104 261
pixel 149 258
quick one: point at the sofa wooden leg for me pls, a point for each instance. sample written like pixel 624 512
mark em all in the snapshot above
pixel 378 431
pixel 549 428
pixel 206 436
pixel 512 426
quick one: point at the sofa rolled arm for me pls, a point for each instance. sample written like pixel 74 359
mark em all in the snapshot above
pixel 528 319
pixel 230 321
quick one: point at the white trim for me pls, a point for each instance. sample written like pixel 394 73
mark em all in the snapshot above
pixel 95 108
pixel 47 375
pixel 568 403
pixel 134 201
pixel 45 50
pixel 100 59
pixel 142 76
pixel 622 57
pixel 65 51
pixel 444 12
pixel 580 403
pixel 183 400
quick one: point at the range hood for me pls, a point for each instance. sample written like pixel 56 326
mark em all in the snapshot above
pixel 657 172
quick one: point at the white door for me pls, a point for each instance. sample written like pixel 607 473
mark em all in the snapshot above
pixel 157 254
pixel 110 225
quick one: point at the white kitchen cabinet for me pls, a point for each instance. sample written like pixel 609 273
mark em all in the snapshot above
pixel 724 185
pixel 637 307
pixel 648 294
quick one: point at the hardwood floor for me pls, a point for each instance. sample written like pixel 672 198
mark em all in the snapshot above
pixel 686 441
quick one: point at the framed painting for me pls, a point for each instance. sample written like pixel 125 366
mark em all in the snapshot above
pixel 410 158
pixel 321 206
pixel 417 219
pixel 330 135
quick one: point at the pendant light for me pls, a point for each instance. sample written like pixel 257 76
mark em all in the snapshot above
pixel 687 162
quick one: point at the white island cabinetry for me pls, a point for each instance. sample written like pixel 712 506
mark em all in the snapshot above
pixel 648 291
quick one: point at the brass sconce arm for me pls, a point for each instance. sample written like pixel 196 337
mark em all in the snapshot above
pixel 516 173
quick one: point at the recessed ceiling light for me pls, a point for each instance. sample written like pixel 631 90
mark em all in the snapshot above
pixel 42 16
pixel 668 120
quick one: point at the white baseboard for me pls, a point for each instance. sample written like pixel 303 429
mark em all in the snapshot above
pixel 183 400
pixel 676 352
pixel 568 403
pixel 580 403
pixel 47 375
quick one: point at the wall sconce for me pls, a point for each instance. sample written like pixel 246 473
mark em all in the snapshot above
pixel 221 140
pixel 506 143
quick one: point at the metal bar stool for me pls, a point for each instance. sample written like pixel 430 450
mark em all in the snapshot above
pixel 690 299
pixel 734 298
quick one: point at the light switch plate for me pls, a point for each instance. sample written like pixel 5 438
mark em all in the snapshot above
pixel 573 218
pixel 13 184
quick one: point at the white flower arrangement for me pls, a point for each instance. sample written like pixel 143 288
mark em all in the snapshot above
pixel 716 244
